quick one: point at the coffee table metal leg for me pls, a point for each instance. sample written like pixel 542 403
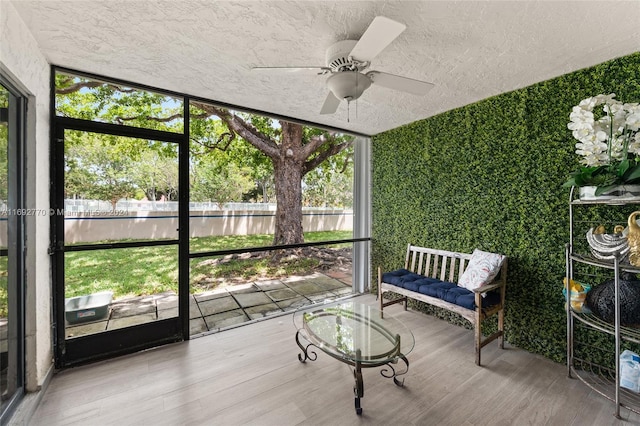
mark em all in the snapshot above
pixel 358 387
pixel 394 374
pixel 308 355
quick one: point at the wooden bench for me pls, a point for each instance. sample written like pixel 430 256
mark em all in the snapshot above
pixel 449 266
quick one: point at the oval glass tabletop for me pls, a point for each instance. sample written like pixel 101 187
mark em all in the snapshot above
pixel 354 331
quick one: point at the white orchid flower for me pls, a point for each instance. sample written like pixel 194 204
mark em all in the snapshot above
pixel 634 145
pixel 610 138
pixel 613 108
pixel 584 135
pixel 578 114
pixel 633 121
pixel 587 104
pixel 605 99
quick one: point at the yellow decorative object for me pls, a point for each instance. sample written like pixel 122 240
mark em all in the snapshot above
pixel 600 230
pixel 578 295
pixel 618 229
pixel 634 239
pixel 575 286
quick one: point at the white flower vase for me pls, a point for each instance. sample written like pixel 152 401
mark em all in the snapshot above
pixel 620 192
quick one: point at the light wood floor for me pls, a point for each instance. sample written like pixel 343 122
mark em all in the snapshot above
pixel 251 375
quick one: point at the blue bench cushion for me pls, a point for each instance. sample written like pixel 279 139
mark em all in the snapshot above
pixel 401 277
pixel 433 287
pixel 421 282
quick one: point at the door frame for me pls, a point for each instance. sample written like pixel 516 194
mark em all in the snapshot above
pixel 106 344
pixel 16 113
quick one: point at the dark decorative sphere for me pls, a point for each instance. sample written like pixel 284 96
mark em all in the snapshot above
pixel 601 300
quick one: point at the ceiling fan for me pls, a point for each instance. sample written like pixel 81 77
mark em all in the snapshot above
pixel 347 59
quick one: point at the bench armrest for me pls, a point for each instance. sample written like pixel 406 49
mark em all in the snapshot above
pixel 489 287
pixel 499 283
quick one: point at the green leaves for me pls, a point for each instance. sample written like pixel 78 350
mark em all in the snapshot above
pixel 622 168
pixel 89 99
pixel 632 174
pixel 108 167
pixel 219 182
pixel 489 175
pixel 225 167
pixel 606 177
pixel 595 176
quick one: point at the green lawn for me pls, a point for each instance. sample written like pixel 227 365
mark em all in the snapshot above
pixel 151 270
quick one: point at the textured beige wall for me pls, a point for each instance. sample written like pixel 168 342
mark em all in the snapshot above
pixel 22 61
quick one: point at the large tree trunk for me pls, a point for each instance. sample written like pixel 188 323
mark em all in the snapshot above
pixel 291 161
pixel 288 169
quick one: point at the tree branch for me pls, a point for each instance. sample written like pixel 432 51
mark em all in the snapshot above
pixel 235 124
pixel 249 133
pixel 89 84
pixel 227 137
pixel 77 86
pixel 150 118
pixel 315 161
pixel 161 119
pixel 346 163
pixel 316 142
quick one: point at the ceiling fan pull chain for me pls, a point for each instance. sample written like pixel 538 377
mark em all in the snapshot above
pixel 348 110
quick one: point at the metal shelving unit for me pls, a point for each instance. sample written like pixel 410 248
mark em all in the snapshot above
pixel 604 380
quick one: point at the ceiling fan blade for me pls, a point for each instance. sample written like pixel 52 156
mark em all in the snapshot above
pixel 381 32
pixel 396 82
pixel 330 105
pixel 315 70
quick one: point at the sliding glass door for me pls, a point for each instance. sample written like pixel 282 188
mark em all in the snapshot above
pixel 12 216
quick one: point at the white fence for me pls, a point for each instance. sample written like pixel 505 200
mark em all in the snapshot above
pixel 80 206
pixel 90 220
pixel 91 226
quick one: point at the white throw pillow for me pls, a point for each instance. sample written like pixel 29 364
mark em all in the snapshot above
pixel 482 269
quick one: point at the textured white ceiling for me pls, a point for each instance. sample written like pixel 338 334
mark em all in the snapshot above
pixel 470 50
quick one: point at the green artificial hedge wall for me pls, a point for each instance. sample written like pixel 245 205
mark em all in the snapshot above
pixel 489 175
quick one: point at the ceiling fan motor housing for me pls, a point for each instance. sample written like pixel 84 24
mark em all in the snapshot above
pixel 337 56
pixel 346 82
pixel 348 85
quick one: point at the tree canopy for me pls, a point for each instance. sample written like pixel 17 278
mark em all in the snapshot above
pixel 235 156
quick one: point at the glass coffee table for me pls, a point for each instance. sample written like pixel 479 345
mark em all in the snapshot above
pixel 355 334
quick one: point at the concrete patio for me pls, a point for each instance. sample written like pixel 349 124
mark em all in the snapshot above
pixel 224 307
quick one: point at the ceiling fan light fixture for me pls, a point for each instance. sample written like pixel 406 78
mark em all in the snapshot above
pixel 348 84
pixel 347 59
